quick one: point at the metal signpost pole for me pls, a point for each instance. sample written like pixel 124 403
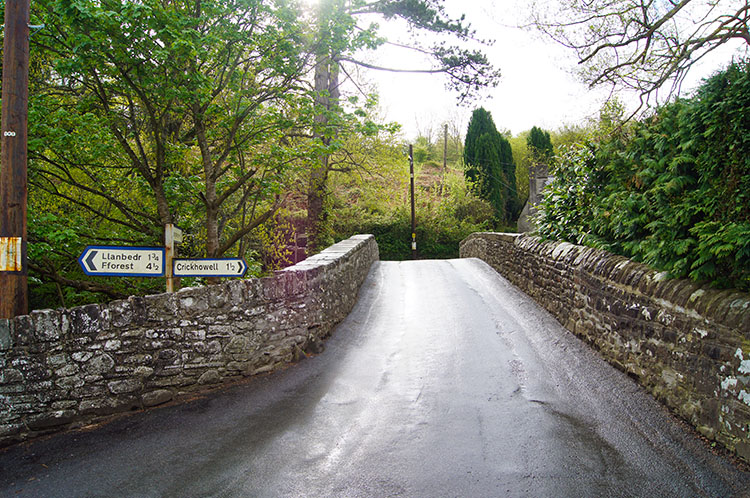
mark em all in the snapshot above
pixel 14 297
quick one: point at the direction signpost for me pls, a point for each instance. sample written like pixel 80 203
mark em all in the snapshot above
pixel 109 261
pixel 219 267
pixel 123 261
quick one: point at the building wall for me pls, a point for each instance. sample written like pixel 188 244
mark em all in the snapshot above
pixel 69 367
pixel 688 345
pixel 539 178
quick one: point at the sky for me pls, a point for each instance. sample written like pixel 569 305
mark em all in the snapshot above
pixel 537 86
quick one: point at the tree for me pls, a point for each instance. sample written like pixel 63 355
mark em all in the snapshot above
pixel 513 205
pixel 489 165
pixel 643 45
pixel 480 173
pixel 146 113
pixel 540 149
pixel 539 143
pixel 339 38
pixel 153 113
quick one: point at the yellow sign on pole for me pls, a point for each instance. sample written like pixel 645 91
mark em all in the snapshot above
pixel 10 254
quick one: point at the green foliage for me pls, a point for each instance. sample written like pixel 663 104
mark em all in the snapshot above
pixel 522 158
pixel 488 159
pixel 378 202
pixel 150 113
pixel 540 144
pixel 672 191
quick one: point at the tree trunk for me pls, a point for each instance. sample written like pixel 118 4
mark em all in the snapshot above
pixel 326 98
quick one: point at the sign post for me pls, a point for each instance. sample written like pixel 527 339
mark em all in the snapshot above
pixel 172 235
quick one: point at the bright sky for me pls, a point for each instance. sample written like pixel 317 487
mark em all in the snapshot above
pixel 537 87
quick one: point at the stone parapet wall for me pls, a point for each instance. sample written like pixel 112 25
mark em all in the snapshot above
pixel 688 345
pixel 65 368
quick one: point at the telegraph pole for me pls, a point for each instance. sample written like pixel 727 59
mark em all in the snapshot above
pixel 413 214
pixel 445 148
pixel 14 298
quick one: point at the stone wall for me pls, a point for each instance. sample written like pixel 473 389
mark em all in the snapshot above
pixel 66 368
pixel 689 346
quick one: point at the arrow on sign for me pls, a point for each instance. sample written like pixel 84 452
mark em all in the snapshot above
pixel 90 261
pixel 123 261
pixel 221 267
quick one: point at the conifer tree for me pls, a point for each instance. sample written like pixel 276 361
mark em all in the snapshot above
pixel 539 144
pixel 489 165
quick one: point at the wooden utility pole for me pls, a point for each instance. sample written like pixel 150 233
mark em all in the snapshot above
pixel 413 213
pixel 14 297
pixel 445 148
pixel 172 236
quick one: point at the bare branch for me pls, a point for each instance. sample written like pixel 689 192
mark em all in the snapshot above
pixel 644 45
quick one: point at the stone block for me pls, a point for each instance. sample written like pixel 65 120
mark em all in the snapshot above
pixel 158 397
pixel 52 419
pixel 242 367
pixel 22 331
pixel 124 386
pixel 118 313
pixel 218 297
pixel 67 370
pixel 168 370
pixel 5 334
pixel 99 364
pixel 10 376
pixel 209 377
pixel 167 355
pixel 220 331
pixel 70 382
pixel 238 344
pixel 64 405
pixel 85 320
pixel 143 372
pixel 192 302
pixel 11 429
pixel 47 325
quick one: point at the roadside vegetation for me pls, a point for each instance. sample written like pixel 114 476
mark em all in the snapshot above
pixel 376 200
pixel 671 190
pixel 226 118
pixel 229 121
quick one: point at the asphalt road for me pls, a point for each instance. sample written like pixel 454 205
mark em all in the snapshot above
pixel 445 381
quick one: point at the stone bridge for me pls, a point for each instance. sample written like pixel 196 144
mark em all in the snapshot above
pixel 61 369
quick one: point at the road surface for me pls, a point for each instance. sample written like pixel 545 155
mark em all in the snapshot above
pixel 445 381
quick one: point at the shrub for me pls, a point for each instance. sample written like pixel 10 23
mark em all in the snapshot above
pixel 672 191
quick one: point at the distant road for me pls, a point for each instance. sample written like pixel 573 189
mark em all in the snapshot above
pixel 445 381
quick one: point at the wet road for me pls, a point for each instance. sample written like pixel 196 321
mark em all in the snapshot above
pixel 444 381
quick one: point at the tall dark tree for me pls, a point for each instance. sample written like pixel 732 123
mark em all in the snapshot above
pixel 540 149
pixel 489 165
pixel 477 171
pixel 539 144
